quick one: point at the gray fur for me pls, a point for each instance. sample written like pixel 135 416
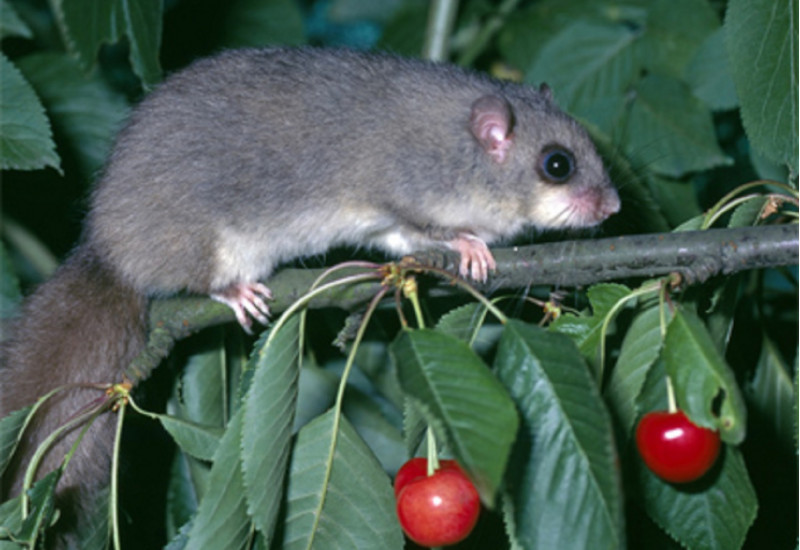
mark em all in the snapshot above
pixel 254 157
pixel 322 146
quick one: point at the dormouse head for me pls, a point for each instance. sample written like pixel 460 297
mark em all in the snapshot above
pixel 547 156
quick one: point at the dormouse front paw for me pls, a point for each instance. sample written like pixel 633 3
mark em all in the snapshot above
pixel 476 258
pixel 248 302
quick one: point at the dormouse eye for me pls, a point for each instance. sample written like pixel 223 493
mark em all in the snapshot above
pixel 556 165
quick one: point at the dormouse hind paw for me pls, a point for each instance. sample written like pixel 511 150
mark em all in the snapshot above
pixel 476 258
pixel 248 301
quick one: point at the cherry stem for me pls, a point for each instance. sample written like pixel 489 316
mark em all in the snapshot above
pixel 115 526
pixel 410 292
pixel 673 407
pixel 433 458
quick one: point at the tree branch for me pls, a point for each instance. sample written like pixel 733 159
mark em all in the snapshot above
pixel 695 255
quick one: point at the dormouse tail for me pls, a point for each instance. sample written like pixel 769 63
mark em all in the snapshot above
pixel 81 327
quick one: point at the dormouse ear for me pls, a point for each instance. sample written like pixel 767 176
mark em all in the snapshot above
pixel 490 123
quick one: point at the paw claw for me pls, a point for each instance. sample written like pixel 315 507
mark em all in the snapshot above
pixel 476 258
pixel 248 301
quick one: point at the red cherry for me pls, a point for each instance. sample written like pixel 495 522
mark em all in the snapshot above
pixel 675 449
pixel 436 510
pixel 417 468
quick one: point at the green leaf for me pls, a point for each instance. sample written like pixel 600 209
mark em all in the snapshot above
pixel 347 504
pixel 269 411
pixel 468 323
pixel 586 329
pixel 463 322
pixel 521 37
pixel 772 394
pixel 528 30
pixel 236 358
pixel 26 141
pixel 709 74
pixel 675 30
pixel 721 313
pixel 222 520
pixel 372 359
pixel 201 393
pixel 716 512
pixel 263 22
pixel 11 428
pixel 749 212
pixel 640 349
pixel 692 224
pixel 415 426
pixel 700 376
pixel 42 505
pixel 10 521
pixel 462 400
pixel 199 441
pixel 87 24
pixel 182 496
pixel 83 109
pixel 768 169
pixel 676 126
pixel 10 23
pixel 180 540
pixel 95 532
pixel 636 190
pixel 384 440
pixel 653 396
pixel 405 32
pixel 316 393
pixel 10 293
pixel 342 11
pixel 676 199
pixel 585 61
pixel 762 40
pixel 564 475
